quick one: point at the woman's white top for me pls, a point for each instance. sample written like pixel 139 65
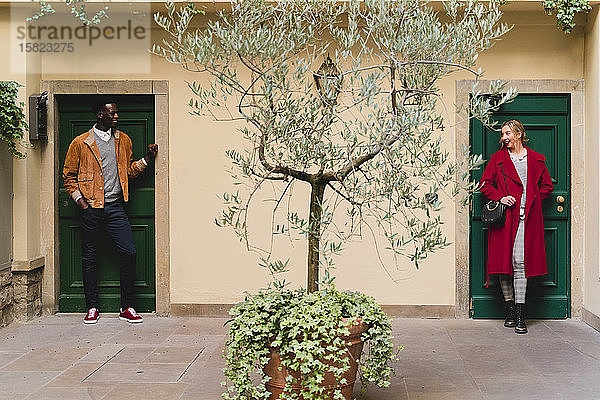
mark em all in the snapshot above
pixel 520 164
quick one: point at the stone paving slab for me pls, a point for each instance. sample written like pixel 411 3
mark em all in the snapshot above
pixel 137 373
pixel 180 358
pixel 82 392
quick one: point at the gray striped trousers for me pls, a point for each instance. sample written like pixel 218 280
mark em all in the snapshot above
pixel 515 287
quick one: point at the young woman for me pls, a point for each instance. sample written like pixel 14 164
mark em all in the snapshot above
pixel 517 177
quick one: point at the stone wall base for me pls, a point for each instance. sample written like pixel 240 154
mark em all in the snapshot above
pixel 591 319
pixel 6 298
pixel 404 311
pixel 27 294
pixel 21 292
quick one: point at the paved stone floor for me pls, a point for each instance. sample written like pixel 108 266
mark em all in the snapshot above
pixel 58 357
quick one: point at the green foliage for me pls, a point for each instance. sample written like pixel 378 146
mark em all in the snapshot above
pixel 13 124
pixel 377 153
pixel 77 9
pixel 307 330
pixel 565 11
pixel 80 12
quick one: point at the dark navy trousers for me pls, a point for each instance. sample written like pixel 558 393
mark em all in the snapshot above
pixel 112 219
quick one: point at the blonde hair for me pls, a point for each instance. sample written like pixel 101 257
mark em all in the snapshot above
pixel 516 126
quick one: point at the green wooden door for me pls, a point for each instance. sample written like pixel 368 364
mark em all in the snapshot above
pixel 136 119
pixel 546 118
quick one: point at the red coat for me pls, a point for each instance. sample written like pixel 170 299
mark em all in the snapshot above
pixel 501 239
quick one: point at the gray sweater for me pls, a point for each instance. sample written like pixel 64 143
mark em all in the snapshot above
pixel 112 185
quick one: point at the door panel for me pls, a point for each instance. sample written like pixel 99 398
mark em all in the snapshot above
pixel 546 118
pixel 136 119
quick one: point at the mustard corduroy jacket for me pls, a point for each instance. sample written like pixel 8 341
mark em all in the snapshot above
pixel 82 172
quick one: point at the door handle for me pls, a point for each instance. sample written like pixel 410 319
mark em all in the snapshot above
pixel 559 209
pixel 560 199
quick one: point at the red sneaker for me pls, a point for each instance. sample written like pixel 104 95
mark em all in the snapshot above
pixel 130 316
pixel 92 316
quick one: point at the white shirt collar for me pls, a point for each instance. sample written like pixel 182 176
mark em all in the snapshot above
pixel 514 157
pixel 104 135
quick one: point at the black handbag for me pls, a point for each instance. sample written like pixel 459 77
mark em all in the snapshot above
pixel 494 212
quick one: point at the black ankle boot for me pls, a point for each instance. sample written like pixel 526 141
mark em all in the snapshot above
pixel 520 327
pixel 509 320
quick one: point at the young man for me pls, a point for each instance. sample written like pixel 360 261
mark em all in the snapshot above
pixel 96 171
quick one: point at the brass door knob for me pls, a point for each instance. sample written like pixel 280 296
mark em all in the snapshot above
pixel 559 208
pixel 560 199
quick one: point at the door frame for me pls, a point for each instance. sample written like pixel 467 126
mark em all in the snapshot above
pixel 50 170
pixel 461 226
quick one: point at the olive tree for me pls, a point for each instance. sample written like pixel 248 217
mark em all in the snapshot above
pixel 343 97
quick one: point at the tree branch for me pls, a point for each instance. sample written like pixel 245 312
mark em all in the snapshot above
pixel 348 199
pixel 358 161
pixel 434 62
pixel 279 169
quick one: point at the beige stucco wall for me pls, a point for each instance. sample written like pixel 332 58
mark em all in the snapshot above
pixel 591 301
pixel 208 264
pixel 226 267
pixel 5 169
pixel 25 172
pixel 533 50
pixel 5 192
pixel 26 206
pixel 5 208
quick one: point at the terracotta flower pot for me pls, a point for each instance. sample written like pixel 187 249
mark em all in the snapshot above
pixel 354 344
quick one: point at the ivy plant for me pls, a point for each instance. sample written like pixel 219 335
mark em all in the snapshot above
pixel 565 11
pixel 13 124
pixel 307 330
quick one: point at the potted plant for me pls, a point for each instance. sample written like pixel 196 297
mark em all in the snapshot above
pixel 12 119
pixel 341 98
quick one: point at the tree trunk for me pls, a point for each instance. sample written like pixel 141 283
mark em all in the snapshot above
pixel 314 234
